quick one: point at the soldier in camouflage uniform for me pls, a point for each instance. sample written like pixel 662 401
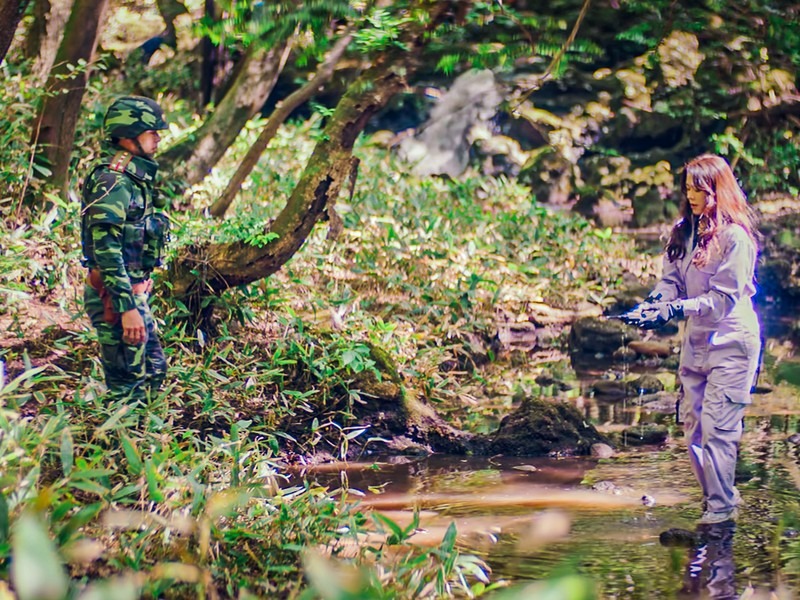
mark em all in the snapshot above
pixel 123 237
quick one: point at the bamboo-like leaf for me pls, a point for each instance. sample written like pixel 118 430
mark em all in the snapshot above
pixel 67 452
pixel 114 419
pixel 224 503
pixel 118 588
pixel 398 535
pixel 4 521
pixel 355 433
pixel 131 455
pixel 78 520
pixel 449 540
pixel 152 481
pixel 12 385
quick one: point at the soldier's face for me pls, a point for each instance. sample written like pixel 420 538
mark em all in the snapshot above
pixel 148 141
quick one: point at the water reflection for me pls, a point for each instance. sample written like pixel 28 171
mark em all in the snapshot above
pixel 710 570
pixel 534 518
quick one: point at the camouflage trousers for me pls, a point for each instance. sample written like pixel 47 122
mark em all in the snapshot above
pixel 132 371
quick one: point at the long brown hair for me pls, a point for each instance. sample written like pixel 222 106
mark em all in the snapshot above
pixel 726 204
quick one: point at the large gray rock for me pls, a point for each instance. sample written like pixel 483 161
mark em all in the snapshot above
pixel 441 146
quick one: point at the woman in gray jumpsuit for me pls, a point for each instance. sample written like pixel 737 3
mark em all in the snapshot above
pixel 709 279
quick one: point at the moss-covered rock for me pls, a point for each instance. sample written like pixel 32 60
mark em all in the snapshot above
pixel 610 389
pixel 646 384
pixel 382 384
pixel 540 427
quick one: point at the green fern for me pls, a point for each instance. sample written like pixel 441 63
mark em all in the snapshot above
pixel 447 63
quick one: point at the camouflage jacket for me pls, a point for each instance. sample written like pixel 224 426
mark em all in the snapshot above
pixel 120 234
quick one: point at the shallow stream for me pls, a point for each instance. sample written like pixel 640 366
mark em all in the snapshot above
pixel 536 518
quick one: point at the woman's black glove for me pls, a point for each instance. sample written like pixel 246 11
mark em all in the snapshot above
pixel 655 315
pixel 652 298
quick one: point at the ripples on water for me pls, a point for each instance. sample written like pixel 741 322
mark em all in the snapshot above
pixel 539 517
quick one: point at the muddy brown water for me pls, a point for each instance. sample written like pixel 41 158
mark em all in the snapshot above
pixel 537 518
pixel 532 519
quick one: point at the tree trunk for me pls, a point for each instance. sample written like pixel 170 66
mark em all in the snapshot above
pixel 11 12
pixel 37 32
pixel 276 119
pixel 209 52
pixel 194 157
pixel 54 131
pixel 45 34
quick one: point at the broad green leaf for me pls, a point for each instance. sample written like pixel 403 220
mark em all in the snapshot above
pixel 152 481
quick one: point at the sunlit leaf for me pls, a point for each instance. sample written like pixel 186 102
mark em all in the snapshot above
pixel 36 569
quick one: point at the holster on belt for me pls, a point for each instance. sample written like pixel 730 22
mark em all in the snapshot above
pixel 110 315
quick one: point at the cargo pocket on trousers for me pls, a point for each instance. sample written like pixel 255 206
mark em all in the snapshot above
pixel 124 360
pixel 730 411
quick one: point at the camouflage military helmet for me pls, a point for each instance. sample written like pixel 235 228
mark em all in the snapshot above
pixel 130 116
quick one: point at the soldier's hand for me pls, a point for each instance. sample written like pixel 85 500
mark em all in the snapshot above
pixel 132 327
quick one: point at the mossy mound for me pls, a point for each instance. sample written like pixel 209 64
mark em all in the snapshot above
pixel 540 427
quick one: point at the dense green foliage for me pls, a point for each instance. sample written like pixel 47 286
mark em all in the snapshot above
pixel 202 492
pixel 230 400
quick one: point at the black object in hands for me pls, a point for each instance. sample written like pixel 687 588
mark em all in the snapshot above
pixel 632 317
pixel 653 316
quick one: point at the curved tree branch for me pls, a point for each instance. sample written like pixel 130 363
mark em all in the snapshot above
pixel 276 119
pixel 210 269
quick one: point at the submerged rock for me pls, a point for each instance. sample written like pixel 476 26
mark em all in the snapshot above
pixel 651 348
pixel 611 389
pixel 606 486
pixel 624 354
pixel 602 451
pixel 645 435
pixel 660 402
pixel 592 335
